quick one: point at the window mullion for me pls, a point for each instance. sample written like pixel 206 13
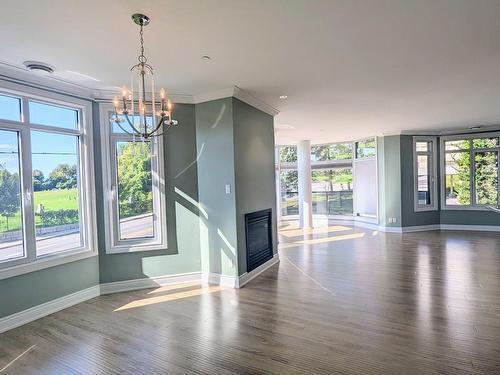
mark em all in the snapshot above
pixel 27 195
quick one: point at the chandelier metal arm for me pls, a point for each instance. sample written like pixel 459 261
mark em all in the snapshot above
pixel 132 124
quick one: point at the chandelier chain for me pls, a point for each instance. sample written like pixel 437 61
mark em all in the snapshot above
pixel 142 58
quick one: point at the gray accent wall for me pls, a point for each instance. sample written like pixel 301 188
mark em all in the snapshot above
pixel 182 254
pixel 254 170
pixel 408 215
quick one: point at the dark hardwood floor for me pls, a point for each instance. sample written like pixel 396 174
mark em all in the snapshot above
pixel 341 301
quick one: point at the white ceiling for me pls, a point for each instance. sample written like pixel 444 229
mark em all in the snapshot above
pixel 350 68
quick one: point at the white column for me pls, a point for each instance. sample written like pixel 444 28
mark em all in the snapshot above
pixel 305 188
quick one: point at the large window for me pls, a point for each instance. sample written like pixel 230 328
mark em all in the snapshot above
pixel 425 171
pixel 46 186
pixel 288 180
pixel 470 171
pixel 366 148
pixel 134 176
pixel 332 191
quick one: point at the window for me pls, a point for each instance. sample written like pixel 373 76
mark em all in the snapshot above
pixel 425 172
pixel 332 191
pixel 336 151
pixel 366 148
pixel 470 171
pixel 134 176
pixel 288 154
pixel 46 186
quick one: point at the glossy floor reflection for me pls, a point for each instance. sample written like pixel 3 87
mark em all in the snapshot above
pixel 341 301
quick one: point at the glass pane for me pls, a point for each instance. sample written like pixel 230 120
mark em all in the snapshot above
pixel 423 146
pixel 461 144
pixel 485 142
pixel 11 223
pixel 288 153
pixel 486 177
pixel 332 191
pixel 289 180
pixel 125 125
pixel 135 190
pixel 337 151
pixel 320 153
pixel 51 115
pixel 423 179
pixel 457 180
pixel 10 108
pixel 366 149
pixel 56 195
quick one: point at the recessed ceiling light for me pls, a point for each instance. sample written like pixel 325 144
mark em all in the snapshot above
pixel 283 97
pixel 205 58
pixel 475 127
pixel 38 67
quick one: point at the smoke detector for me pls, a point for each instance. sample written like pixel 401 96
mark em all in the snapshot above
pixel 38 67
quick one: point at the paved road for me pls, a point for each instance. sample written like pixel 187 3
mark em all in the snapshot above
pixel 141 226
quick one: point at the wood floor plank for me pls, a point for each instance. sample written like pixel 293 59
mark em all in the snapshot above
pixel 341 301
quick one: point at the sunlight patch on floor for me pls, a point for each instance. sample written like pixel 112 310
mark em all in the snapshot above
pixel 203 289
pixel 171 287
pixel 320 230
pixel 331 239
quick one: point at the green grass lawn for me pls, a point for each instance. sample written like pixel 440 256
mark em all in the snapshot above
pixel 52 200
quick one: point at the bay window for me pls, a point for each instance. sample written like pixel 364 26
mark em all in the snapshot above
pixel 47 213
pixel 470 171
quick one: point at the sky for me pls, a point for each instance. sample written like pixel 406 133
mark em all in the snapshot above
pixel 48 149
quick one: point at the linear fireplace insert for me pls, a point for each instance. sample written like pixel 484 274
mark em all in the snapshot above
pixel 259 238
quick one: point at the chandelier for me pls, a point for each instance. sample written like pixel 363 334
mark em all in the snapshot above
pixel 132 113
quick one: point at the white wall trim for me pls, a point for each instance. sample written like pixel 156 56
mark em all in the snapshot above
pixel 248 276
pixel 47 308
pixel 151 282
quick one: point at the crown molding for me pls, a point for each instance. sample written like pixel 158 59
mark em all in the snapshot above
pixel 17 74
pixel 238 93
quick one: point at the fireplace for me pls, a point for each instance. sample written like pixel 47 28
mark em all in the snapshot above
pixel 259 238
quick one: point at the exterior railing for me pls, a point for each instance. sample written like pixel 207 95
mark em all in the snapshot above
pixel 323 203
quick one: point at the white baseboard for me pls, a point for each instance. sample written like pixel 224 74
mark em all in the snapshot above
pixel 151 282
pixel 247 276
pixel 424 228
pixel 482 228
pixel 47 308
pixel 218 279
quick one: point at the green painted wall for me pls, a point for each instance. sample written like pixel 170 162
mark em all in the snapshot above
pixel 254 170
pixel 389 176
pixel 31 289
pixel 214 138
pixel 182 254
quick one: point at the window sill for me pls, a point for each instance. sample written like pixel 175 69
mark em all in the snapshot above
pixel 136 248
pixel 42 263
pixel 465 208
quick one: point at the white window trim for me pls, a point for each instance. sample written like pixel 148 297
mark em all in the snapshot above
pixel 442 155
pixel 433 188
pixel 88 224
pixel 113 244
